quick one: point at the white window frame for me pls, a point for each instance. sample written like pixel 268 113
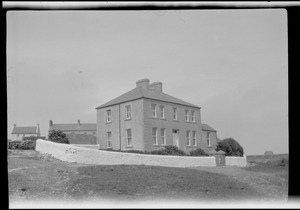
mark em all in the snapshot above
pixel 128 112
pixel 163 136
pixel 194 138
pixel 154 136
pixel 188 137
pixel 129 137
pixel 154 111
pixel 208 139
pixel 175 117
pixel 108 115
pixel 193 116
pixel 187 117
pixel 162 111
pixel 108 140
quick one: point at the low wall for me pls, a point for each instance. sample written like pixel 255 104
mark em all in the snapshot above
pixel 72 153
pixel 91 146
pixel 236 161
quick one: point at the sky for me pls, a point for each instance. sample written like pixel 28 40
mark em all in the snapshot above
pixel 61 65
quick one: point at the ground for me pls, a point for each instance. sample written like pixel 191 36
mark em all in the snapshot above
pixel 34 177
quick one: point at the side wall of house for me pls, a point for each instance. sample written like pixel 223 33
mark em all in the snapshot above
pixel 213 140
pixel 119 124
pixel 169 124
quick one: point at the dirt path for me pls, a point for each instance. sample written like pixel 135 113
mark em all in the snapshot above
pixel 273 186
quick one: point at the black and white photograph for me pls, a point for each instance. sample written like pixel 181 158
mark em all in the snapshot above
pixel 147 108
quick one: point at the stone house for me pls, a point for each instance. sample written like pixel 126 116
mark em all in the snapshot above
pixel 146 119
pixel 77 133
pixel 19 132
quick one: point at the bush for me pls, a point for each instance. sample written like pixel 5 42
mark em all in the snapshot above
pixel 58 137
pixel 230 147
pixel 198 152
pixel 169 150
pixel 25 145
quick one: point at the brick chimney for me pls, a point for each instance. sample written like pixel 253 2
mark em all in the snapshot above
pixel 50 123
pixel 156 86
pixel 143 83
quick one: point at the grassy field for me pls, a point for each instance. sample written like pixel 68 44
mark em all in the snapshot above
pixel 36 177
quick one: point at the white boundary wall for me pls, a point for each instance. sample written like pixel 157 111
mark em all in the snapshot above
pixel 91 146
pixel 72 153
pixel 236 161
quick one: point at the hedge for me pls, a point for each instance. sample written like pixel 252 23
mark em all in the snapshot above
pixel 23 145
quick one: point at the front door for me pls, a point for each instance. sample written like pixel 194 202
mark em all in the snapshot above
pixel 176 138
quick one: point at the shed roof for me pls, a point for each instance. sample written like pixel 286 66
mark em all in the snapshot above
pixel 207 127
pixel 74 127
pixel 24 130
pixel 140 92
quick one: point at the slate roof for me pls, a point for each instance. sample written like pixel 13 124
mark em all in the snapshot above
pixel 74 127
pixel 207 127
pixel 140 92
pixel 24 130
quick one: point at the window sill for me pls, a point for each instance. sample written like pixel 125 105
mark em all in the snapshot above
pixel 155 145
pixel 128 119
pixel 108 122
pixel 175 120
pixel 191 145
pixel 129 146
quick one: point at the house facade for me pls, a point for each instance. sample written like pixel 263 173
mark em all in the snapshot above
pixel 148 119
pixel 77 133
pixel 19 132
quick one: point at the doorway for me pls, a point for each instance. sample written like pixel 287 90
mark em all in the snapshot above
pixel 176 137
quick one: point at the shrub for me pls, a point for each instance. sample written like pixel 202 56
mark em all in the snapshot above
pixel 198 152
pixel 25 145
pixel 58 137
pixel 231 147
pixel 169 150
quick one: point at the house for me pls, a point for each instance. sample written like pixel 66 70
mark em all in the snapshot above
pixel 77 133
pixel 146 119
pixel 210 136
pixel 19 132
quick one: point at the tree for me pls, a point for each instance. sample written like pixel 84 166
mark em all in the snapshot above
pixel 231 147
pixel 58 137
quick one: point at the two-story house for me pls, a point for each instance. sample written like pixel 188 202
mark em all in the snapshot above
pixel 147 119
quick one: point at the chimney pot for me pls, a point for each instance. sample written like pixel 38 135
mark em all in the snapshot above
pixel 50 122
pixel 143 83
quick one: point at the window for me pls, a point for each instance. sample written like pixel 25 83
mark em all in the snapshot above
pixel 188 138
pixel 153 108
pixel 109 140
pixel 193 116
pixel 128 112
pixel 175 113
pixel 128 137
pixel 108 115
pixel 208 139
pixel 187 115
pixel 194 138
pixel 162 111
pixel 163 136
pixel 154 134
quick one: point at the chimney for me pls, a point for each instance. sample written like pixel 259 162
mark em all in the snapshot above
pixel 38 129
pixel 143 83
pixel 156 86
pixel 78 122
pixel 50 123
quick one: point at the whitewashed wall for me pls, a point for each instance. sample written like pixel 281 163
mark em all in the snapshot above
pixel 236 161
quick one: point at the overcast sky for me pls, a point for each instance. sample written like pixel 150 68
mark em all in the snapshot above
pixel 61 65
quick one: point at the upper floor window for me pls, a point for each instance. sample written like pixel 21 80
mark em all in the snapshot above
pixel 188 140
pixel 154 135
pixel 193 116
pixel 128 112
pixel 162 111
pixel 187 115
pixel 108 115
pixel 109 145
pixel 128 137
pixel 194 138
pixel 175 113
pixel 153 108
pixel 163 136
pixel 208 139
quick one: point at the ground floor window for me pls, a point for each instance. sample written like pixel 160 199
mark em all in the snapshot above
pixel 188 142
pixel 154 135
pixel 208 139
pixel 109 145
pixel 128 137
pixel 163 136
pixel 194 138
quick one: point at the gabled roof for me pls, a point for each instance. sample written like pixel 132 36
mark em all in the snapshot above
pixel 140 92
pixel 207 127
pixel 74 127
pixel 24 130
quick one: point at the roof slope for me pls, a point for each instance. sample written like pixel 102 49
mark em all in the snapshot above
pixel 207 127
pixel 74 127
pixel 24 130
pixel 139 92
